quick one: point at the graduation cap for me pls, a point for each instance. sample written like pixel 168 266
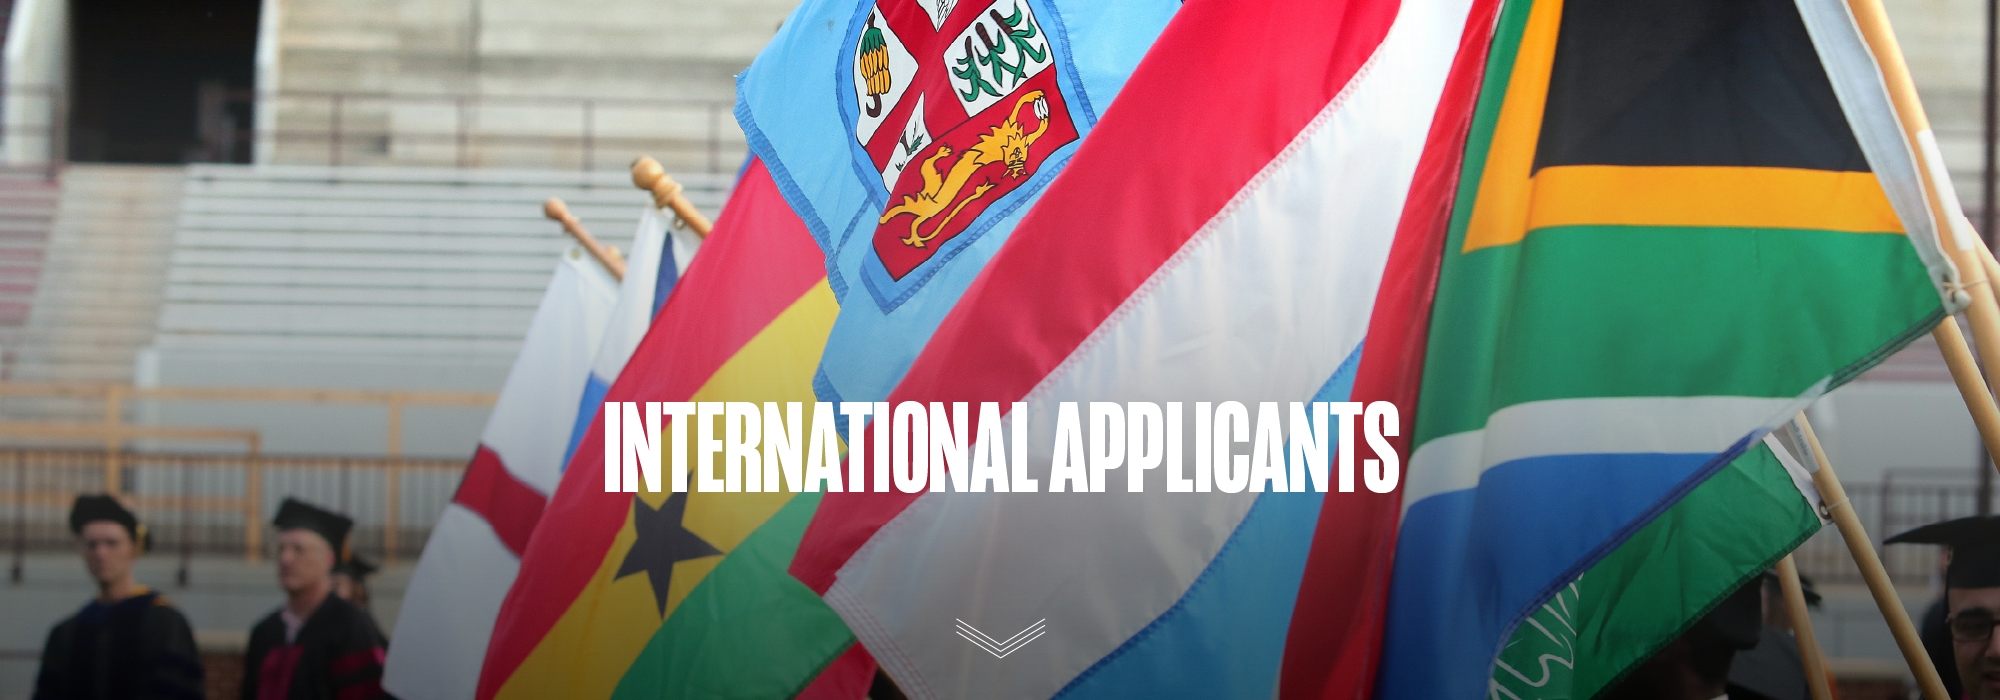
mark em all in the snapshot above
pixel 94 507
pixel 355 567
pixel 1975 549
pixel 295 514
pixel 1777 589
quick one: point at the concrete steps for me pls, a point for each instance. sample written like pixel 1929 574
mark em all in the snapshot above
pixel 96 292
pixel 27 212
pixel 399 278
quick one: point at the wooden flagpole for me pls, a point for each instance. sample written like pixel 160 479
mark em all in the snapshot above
pixel 1953 232
pixel 1834 496
pixel 1965 373
pixel 648 175
pixel 1802 630
pixel 1992 268
pixel 608 256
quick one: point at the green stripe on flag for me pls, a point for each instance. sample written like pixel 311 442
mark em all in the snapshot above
pixel 1486 114
pixel 1646 592
pixel 1664 311
pixel 1579 312
pixel 748 630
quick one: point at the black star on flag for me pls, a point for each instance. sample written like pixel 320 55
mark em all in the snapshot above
pixel 662 542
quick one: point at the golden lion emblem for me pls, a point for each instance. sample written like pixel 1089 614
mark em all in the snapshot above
pixel 1001 144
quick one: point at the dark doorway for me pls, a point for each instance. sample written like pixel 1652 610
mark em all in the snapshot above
pixel 161 82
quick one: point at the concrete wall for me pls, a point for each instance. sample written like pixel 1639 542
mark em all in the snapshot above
pixel 601 49
pixel 36 57
pixel 1944 42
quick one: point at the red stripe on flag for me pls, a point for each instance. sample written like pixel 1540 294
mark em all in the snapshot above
pixel 510 507
pixel 1335 641
pixel 1170 152
pixel 849 677
pixel 757 262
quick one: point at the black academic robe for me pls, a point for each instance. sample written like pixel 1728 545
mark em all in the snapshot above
pixel 139 647
pixel 1772 670
pixel 337 656
pixel 1936 636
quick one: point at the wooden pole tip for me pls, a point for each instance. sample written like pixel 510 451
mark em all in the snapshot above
pixel 555 209
pixel 646 171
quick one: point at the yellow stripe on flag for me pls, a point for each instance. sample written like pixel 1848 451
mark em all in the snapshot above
pixel 1500 210
pixel 588 650
pixel 1794 198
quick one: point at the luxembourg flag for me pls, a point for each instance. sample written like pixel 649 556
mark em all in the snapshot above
pixel 1220 236
pixel 474 551
pixel 660 255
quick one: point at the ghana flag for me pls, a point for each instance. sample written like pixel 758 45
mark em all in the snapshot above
pixel 1678 223
pixel 656 594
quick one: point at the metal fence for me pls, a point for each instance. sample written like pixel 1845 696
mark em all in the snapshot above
pixel 391 129
pixel 1905 499
pixel 220 503
pixel 350 128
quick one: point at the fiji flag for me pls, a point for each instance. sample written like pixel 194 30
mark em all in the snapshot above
pixel 945 123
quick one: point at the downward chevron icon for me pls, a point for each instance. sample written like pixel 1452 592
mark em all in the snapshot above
pixel 1000 649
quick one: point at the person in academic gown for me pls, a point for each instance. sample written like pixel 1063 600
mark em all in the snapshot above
pixel 1696 665
pixel 1971 600
pixel 128 642
pixel 317 646
pixel 1774 668
pixel 1936 636
pixel 350 580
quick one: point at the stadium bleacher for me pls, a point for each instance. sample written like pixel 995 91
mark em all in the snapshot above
pixel 27 209
pixel 405 278
pixel 288 276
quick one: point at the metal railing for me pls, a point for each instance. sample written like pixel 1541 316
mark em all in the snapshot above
pixel 1905 499
pixel 114 397
pixel 218 503
pixel 339 128
pixel 354 128
pixel 209 503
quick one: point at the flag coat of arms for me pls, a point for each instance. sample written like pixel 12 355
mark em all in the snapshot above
pixel 946 121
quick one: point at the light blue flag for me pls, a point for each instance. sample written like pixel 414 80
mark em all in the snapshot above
pixel 942 124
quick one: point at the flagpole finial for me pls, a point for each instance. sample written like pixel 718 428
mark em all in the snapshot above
pixel 646 172
pixel 613 261
pixel 649 175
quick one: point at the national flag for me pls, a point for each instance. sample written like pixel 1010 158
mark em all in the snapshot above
pixel 674 594
pixel 945 122
pixel 1677 225
pixel 660 253
pixel 1726 532
pixel 475 548
pixel 1219 236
